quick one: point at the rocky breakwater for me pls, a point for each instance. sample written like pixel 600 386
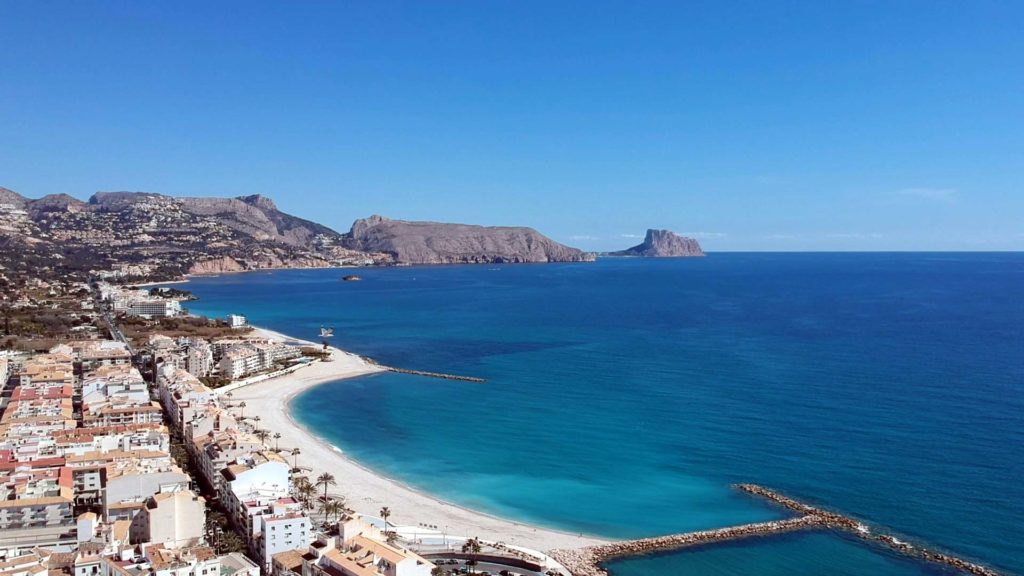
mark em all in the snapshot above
pixel 587 561
pixel 860 529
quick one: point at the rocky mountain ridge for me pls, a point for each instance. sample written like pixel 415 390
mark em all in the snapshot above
pixel 437 243
pixel 147 235
pixel 143 235
pixel 663 244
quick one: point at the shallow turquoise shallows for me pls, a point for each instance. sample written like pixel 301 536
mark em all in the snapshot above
pixel 625 396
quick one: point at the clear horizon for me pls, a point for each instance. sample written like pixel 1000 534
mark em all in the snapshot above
pixel 751 127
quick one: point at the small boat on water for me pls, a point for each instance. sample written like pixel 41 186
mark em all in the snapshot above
pixel 326 332
pixel 351 278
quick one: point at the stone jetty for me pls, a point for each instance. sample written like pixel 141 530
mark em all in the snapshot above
pixel 424 373
pixel 862 530
pixel 587 561
pixel 434 374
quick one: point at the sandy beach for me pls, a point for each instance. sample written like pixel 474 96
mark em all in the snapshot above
pixel 365 490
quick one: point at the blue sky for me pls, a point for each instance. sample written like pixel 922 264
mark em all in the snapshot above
pixel 751 125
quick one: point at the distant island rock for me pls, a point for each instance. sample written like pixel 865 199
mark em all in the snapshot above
pixel 438 243
pixel 663 244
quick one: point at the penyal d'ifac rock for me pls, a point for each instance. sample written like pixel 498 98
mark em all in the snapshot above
pixel 663 244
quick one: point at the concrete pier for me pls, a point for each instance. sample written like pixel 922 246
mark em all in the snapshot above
pixel 587 561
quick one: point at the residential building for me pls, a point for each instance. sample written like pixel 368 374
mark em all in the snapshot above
pixel 36 507
pixel 260 475
pixel 236 564
pixel 158 560
pixel 216 451
pixel 173 519
pixel 199 358
pixel 240 361
pixel 129 482
pixel 92 354
pixel 153 308
pixel 357 556
pixel 119 412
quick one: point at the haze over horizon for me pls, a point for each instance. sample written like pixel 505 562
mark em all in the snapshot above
pixel 796 126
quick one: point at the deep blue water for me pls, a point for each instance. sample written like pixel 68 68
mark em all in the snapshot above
pixel 625 396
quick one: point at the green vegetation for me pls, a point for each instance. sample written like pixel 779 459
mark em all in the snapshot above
pixel 139 329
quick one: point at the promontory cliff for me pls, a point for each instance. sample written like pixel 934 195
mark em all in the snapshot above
pixel 663 244
pixel 437 243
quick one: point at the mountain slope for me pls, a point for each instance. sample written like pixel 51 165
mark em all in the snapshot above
pixel 437 243
pixel 145 235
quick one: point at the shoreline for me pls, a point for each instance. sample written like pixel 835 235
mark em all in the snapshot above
pixel 151 284
pixel 367 490
pixel 420 506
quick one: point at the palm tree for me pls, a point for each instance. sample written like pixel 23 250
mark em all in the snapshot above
pixel 326 479
pixel 306 492
pixel 216 522
pixel 332 507
pixel 384 513
pixel 262 435
pixel 277 441
pixel 242 412
pixel 229 542
pixel 257 419
pixel 471 547
pixel 295 453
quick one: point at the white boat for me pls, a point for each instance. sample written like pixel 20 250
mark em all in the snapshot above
pixel 326 332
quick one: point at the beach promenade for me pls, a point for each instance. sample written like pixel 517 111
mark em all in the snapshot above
pixel 365 490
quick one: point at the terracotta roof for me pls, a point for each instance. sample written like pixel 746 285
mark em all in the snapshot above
pixel 347 563
pixel 385 551
pixel 290 560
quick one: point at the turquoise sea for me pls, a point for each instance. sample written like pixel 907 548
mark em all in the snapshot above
pixel 625 396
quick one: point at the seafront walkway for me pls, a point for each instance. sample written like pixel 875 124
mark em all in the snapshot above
pixel 588 561
pixel 258 378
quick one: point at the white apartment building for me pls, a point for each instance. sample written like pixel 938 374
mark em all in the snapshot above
pixel 153 308
pixel 239 361
pixel 199 358
pixel 173 519
pixel 36 508
pixel 279 532
pixel 216 452
pixel 259 475
pixel 119 412
pixel 80 441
